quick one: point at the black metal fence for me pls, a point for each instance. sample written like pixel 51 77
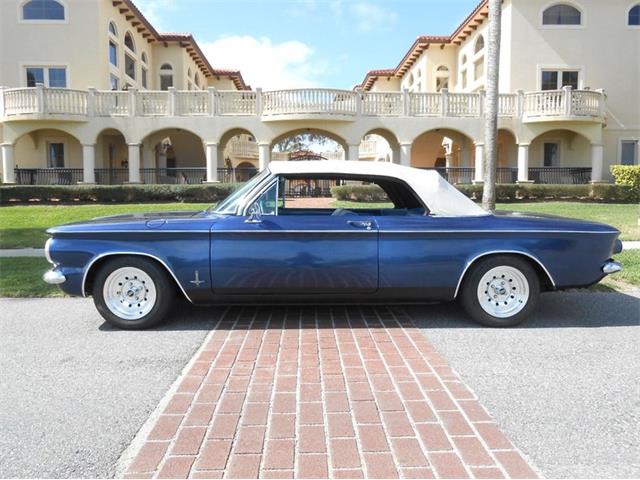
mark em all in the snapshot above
pixel 196 175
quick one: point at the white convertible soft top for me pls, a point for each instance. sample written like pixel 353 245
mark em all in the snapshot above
pixel 438 194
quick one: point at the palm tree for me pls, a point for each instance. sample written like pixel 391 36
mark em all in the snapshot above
pixel 491 108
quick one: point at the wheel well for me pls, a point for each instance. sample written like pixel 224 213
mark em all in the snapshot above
pixel 100 262
pixel 546 283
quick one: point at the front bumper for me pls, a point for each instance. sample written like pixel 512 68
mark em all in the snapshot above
pixel 611 267
pixel 53 277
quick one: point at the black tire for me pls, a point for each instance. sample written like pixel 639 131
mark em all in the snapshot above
pixel 165 292
pixel 469 292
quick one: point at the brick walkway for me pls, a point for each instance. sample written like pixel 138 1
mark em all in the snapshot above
pixel 323 392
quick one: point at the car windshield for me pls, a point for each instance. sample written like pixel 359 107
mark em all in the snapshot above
pixel 230 204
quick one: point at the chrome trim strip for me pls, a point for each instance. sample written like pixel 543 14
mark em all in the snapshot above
pixel 363 230
pixel 110 254
pixel 493 231
pixel 53 277
pixel 492 252
pixel 47 253
pixel 100 232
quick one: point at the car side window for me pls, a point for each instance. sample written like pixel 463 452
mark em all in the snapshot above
pixel 267 203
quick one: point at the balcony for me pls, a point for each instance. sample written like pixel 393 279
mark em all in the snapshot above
pixel 197 175
pixel 40 103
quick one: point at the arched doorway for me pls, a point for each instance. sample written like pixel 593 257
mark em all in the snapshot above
pixel 112 163
pixel 507 168
pixel 449 151
pixel 173 155
pixel 238 153
pixel 561 157
pixel 48 157
pixel 380 145
pixel 326 144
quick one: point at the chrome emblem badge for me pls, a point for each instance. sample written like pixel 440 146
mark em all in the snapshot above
pixel 197 280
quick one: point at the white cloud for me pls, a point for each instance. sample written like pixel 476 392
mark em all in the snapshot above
pixel 370 16
pixel 156 10
pixel 266 64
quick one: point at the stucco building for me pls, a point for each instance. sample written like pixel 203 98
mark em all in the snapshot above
pixel 93 93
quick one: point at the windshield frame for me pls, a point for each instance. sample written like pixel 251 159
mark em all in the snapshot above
pixel 235 200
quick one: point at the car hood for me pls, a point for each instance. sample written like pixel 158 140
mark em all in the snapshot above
pixel 174 220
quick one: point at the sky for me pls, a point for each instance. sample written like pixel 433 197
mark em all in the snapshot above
pixel 305 43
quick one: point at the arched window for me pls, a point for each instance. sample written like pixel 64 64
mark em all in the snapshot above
pixel 112 29
pixel 43 10
pixel 562 14
pixel 166 76
pixel 189 72
pixel 143 57
pixel 479 44
pixel 197 80
pixel 442 77
pixel 463 60
pixel 634 16
pixel 128 42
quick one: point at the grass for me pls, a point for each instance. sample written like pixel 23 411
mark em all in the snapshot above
pixel 24 226
pixel 22 277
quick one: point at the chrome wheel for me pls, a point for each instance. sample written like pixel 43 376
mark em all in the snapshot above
pixel 503 291
pixel 129 293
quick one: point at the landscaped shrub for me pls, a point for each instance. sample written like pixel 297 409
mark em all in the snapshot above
pixel 359 193
pixel 115 193
pixel 627 175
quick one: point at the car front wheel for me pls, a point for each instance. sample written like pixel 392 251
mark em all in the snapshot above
pixel 500 291
pixel 132 293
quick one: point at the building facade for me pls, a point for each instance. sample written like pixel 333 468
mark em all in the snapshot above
pixel 131 104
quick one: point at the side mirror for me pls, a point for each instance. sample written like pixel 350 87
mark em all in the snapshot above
pixel 254 215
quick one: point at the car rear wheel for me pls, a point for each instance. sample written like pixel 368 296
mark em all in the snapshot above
pixel 500 291
pixel 132 293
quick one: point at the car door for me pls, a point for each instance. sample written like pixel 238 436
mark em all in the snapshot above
pixel 302 253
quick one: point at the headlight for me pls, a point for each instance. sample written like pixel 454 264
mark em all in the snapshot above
pixel 47 255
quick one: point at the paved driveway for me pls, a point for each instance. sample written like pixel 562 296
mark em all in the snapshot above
pixel 74 392
pixel 565 387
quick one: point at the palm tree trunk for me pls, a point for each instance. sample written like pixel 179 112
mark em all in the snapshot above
pixel 491 107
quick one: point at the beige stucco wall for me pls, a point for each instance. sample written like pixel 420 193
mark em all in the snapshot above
pixel 575 150
pixel 31 150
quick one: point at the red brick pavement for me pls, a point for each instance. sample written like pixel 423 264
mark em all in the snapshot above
pixel 323 392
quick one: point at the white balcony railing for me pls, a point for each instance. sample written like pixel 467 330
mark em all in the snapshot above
pixel 243 148
pixel 531 106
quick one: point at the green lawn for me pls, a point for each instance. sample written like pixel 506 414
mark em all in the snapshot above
pixel 24 226
pixel 22 277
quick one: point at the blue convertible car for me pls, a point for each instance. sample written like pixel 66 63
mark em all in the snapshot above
pixel 278 239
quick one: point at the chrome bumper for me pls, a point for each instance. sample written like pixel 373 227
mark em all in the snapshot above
pixel 53 277
pixel 611 267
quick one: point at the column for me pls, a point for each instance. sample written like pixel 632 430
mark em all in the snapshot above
pixel 405 154
pixel 597 163
pixel 448 160
pixel 212 162
pixel 523 163
pixel 8 163
pixel 89 164
pixel 395 154
pixel 264 155
pixel 134 163
pixel 478 176
pixel 353 152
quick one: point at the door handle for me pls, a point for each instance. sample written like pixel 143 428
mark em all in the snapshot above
pixel 367 224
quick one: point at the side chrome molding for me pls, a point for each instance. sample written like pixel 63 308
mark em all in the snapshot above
pixel 494 252
pixel 140 254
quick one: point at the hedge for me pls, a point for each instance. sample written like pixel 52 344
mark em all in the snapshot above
pixel 10 194
pixel 511 192
pixel 627 175
pixel 115 193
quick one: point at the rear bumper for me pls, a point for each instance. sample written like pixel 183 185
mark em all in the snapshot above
pixel 53 277
pixel 611 267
